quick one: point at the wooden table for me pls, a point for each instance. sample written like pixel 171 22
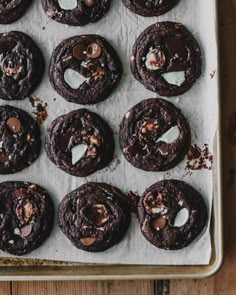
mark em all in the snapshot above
pixel 224 282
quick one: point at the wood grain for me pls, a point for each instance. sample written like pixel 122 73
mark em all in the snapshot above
pixel 5 288
pixel 83 288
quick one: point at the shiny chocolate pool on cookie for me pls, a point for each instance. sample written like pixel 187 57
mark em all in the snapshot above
pixel 80 143
pixel 12 10
pixel 94 217
pixel 21 65
pixel 154 135
pixel 171 214
pixel 26 217
pixel 20 141
pixel 150 7
pixel 85 69
pixel 76 12
pixel 166 59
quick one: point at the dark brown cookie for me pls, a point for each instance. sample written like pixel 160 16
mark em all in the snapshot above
pixel 20 141
pixel 154 135
pixel 171 214
pixel 166 59
pixel 21 65
pixel 80 143
pixel 150 7
pixel 74 12
pixel 94 217
pixel 12 10
pixel 26 217
pixel 85 69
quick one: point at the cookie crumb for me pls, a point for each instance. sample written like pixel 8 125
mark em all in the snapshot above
pixel 40 109
pixel 198 159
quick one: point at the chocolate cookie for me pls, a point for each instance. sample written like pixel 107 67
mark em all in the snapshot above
pixel 85 69
pixel 12 10
pixel 154 135
pixel 94 217
pixel 166 59
pixel 150 7
pixel 171 214
pixel 26 217
pixel 20 141
pixel 80 143
pixel 74 12
pixel 21 65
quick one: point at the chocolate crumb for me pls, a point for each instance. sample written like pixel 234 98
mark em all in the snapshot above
pixel 40 109
pixel 198 159
pixel 212 74
pixel 114 164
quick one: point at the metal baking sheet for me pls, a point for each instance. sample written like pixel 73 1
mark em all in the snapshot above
pixel 72 271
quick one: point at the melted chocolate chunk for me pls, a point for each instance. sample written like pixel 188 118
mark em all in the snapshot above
pixel 94 217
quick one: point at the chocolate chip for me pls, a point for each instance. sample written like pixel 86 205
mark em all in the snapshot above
pixel 3 158
pixel 26 230
pixel 90 3
pixel 96 214
pixel 94 140
pixel 26 210
pixel 79 51
pixel 155 59
pixel 149 126
pixel 94 50
pixel 14 124
pixel 88 241
pixel 155 205
pixel 159 223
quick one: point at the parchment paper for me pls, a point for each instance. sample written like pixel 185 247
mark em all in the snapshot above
pixel 121 27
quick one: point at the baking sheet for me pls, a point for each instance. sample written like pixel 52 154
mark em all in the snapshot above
pixel 199 105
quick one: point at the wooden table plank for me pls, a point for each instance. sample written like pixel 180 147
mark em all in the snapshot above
pixel 5 288
pixel 83 288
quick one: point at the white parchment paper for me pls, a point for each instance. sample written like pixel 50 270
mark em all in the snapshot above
pixel 199 105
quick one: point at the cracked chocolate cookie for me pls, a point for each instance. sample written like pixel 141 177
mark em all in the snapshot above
pixel 94 217
pixel 20 141
pixel 150 7
pixel 166 59
pixel 171 214
pixel 154 135
pixel 76 12
pixel 80 143
pixel 21 65
pixel 85 69
pixel 26 217
pixel 12 10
